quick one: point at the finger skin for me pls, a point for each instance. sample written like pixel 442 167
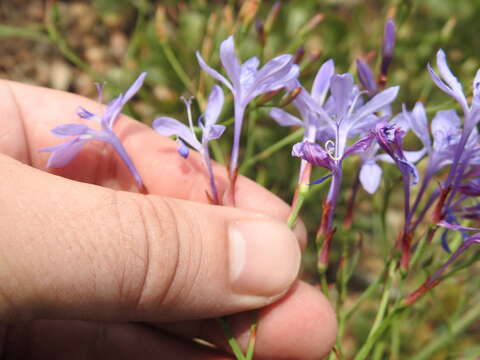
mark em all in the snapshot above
pixel 29 113
pixel 94 253
pixel 300 326
pixel 80 340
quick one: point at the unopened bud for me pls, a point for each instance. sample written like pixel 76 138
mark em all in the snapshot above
pixel 248 11
pixel 388 46
pixel 299 54
pixel 272 16
pixel 262 36
pixel 312 23
pixel 365 75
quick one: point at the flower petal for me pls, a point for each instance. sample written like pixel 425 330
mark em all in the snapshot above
pixel 321 83
pixel 230 61
pixel 360 145
pixel 284 119
pixel 63 153
pixel 414 156
pixel 419 124
pixel 376 103
pixel 214 105
pixel 314 154
pixel 446 129
pixel 182 149
pixel 450 79
pixel 341 87
pixel 167 126
pixel 214 132
pixel 133 89
pixel 212 72
pixel 274 75
pixel 370 175
pixel 70 130
pixel 248 72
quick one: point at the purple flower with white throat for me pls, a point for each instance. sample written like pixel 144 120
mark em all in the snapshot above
pixel 167 126
pixel 247 82
pixel 63 153
pixel 345 116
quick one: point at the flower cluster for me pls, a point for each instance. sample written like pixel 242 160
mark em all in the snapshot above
pixel 340 119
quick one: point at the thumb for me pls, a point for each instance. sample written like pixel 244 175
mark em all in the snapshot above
pixel 73 250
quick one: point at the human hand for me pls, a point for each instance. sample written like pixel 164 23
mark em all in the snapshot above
pixel 93 271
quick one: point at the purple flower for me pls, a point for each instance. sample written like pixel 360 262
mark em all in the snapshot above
pixel 388 46
pixel 450 85
pixel 365 75
pixel 247 82
pixel 63 153
pixel 308 104
pixel 167 126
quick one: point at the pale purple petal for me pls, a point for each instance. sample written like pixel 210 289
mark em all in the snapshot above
pixel 248 72
pixel 450 79
pixel 363 125
pixel 230 61
pixel 377 102
pixel 285 119
pixel 274 75
pixel 133 89
pixel 182 149
pixel 414 156
pixel 456 227
pixel 120 150
pixel 167 126
pixel 370 176
pixel 365 75
pixel 214 105
pixel 63 153
pixel 214 132
pixel 314 154
pixel 213 73
pixel 70 130
pixel 341 86
pixel 419 124
pixel 360 145
pixel 85 114
pixel 446 129
pixel 321 83
pixel 112 112
pixel 476 91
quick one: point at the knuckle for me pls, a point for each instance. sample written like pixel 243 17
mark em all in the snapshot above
pixel 151 225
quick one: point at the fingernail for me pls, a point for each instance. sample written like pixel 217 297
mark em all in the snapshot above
pixel 264 257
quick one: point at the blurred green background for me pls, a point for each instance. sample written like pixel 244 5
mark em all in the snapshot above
pixel 68 45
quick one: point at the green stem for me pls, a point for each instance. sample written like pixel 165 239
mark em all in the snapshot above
pixel 384 301
pixel 29 33
pixel 447 337
pixel 253 337
pixel 290 139
pixel 302 194
pixel 387 321
pixel 231 338
pixel 365 295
